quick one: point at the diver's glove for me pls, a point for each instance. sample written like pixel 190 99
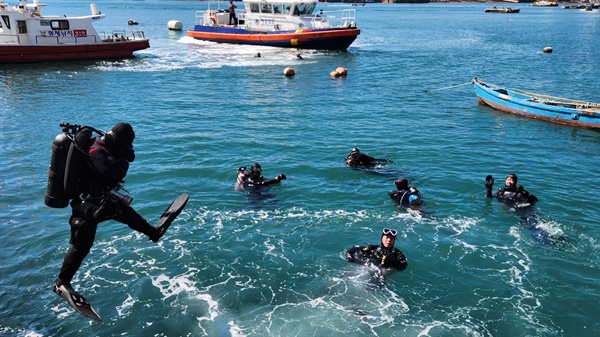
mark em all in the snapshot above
pixel 280 177
pixel 489 182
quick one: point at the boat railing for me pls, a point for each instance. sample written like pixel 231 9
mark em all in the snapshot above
pixel 138 35
pixel 345 18
pixel 121 36
pixel 199 18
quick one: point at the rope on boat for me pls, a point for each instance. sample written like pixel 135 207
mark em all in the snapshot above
pixel 450 87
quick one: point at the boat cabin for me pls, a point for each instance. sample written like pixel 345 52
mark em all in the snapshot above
pixel 262 16
pixel 280 7
pixel 24 24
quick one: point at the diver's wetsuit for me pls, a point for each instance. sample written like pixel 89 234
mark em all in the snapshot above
pixel 362 160
pixel 512 195
pixel 378 256
pixel 99 174
pixel 403 197
pixel 254 180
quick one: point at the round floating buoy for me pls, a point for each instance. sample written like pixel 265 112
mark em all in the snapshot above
pixel 339 72
pixel 289 71
pixel 342 71
pixel 175 25
pixel 547 49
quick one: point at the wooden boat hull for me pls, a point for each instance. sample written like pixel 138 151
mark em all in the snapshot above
pixel 329 39
pixel 542 107
pixel 107 50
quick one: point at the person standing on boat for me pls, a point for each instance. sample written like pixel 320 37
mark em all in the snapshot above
pixel 356 159
pixel 254 178
pixel 404 195
pixel 510 193
pixel 232 15
pixel 384 256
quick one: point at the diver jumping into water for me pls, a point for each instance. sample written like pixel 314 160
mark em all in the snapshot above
pixel 101 164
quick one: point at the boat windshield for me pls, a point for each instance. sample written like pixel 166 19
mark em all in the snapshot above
pixel 303 9
pixel 266 8
pixel 282 8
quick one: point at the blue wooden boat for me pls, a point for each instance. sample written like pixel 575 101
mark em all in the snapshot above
pixel 543 107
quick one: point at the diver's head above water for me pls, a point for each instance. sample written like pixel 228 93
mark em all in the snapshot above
pixel 388 238
pixel 255 169
pixel 511 180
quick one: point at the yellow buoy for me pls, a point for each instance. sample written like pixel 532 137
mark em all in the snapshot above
pixel 289 71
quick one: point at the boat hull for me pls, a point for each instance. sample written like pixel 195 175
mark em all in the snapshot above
pixel 330 39
pixel 30 54
pixel 518 103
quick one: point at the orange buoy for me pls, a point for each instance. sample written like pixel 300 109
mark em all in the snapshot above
pixel 289 71
pixel 342 71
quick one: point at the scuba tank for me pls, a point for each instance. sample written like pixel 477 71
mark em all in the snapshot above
pixel 55 193
pixel 69 151
pixel 75 160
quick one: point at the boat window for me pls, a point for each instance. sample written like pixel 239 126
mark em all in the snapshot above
pixel 254 8
pixel 59 24
pixel 266 8
pixel 277 8
pixel 310 8
pixel 6 21
pixel 287 9
pixel 300 10
pixel 21 27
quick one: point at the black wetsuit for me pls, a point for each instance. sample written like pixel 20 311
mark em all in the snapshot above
pixel 512 195
pixel 362 160
pixel 378 256
pixel 252 181
pixel 403 196
pixel 100 174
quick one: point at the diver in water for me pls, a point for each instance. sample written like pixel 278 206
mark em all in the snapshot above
pixel 103 167
pixel 254 179
pixel 404 195
pixel 515 195
pixel 510 193
pixel 357 159
pixel 385 256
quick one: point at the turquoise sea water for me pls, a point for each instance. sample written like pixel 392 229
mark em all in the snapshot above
pixel 240 265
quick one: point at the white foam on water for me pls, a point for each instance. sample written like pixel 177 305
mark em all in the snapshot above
pixel 126 306
pixel 191 53
pixel 173 285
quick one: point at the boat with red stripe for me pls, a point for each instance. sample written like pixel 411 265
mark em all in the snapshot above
pixel 27 35
pixel 277 23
